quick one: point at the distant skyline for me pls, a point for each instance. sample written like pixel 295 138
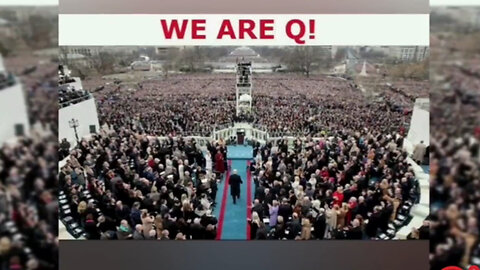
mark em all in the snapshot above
pixel 29 2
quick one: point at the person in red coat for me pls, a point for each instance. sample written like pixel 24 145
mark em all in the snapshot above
pixel 338 196
pixel 219 163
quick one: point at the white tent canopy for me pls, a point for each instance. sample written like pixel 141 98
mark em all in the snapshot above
pixel 245 98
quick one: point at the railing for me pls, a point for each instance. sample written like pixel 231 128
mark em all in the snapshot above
pixel 251 132
pixel 258 133
pixel 201 141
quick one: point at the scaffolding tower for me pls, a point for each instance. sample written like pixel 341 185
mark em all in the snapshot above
pixel 244 88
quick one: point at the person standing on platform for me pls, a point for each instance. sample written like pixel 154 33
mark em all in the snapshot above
pixel 235 181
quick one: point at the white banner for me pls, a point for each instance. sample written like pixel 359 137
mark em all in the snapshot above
pixel 238 30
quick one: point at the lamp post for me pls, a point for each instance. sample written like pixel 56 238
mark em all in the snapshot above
pixel 74 124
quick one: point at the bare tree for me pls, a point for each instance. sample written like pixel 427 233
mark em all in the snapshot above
pixel 306 58
pixel 104 63
pixel 64 56
pixel 40 32
pixel 340 54
pixel 190 58
pixel 169 62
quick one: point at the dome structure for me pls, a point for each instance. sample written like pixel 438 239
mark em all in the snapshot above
pixel 244 52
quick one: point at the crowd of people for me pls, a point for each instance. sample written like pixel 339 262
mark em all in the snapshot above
pixel 183 105
pixel 124 185
pixel 138 178
pixel 68 95
pixel 352 182
pixel 28 178
pixel 404 93
pixel 411 89
pixel 38 77
pixel 199 104
pixel 455 178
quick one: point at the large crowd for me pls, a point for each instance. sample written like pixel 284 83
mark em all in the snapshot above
pixel 140 179
pixel 283 104
pixel 455 178
pixel 183 105
pixel 404 93
pixel 28 179
pixel 124 185
pixel 352 182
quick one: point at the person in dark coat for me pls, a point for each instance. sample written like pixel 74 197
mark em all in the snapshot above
pixel 355 232
pixel 91 228
pixel 386 213
pixel 374 223
pixel 258 207
pixel 320 225
pixel 285 209
pixel 235 181
pixel 197 230
pixel 295 227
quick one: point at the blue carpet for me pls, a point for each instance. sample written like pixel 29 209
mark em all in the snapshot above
pixel 239 152
pixel 235 216
pixel 235 220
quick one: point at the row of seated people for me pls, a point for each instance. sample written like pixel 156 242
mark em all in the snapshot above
pixel 128 186
pixel 343 187
pixel 69 95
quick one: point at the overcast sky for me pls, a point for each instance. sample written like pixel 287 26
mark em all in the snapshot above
pixel 28 2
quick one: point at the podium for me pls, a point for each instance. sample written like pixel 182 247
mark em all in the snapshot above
pixel 240 136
